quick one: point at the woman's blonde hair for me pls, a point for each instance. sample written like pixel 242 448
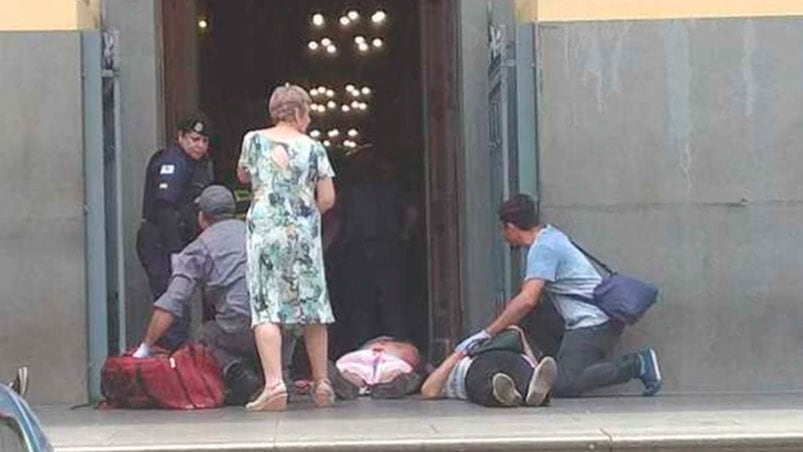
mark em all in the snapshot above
pixel 286 101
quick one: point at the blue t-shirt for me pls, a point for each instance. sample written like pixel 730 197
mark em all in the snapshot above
pixel 565 270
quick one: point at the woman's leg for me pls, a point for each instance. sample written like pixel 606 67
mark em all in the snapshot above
pixel 316 339
pixel 269 345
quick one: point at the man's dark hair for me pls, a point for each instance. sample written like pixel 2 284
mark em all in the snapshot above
pixel 519 211
pixel 196 122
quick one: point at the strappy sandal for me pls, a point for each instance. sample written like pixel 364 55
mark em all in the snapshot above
pixel 271 399
pixel 323 395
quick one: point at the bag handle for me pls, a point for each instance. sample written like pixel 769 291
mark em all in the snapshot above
pixel 592 258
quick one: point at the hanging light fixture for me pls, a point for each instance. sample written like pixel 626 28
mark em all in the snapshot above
pixel 377 42
pixel 362 47
pixel 345 21
pixel 327 143
pixel 312 45
pixel 315 133
pixel 331 105
pixel 366 91
pixel 379 17
pixel 353 133
pixel 345 108
pixel 353 15
pixel 318 20
pixel 326 42
pixel 359 39
pixel 203 24
pixel 331 49
pixel 330 93
pixel 333 133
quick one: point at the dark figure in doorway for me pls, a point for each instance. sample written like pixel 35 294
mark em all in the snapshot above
pixel 376 223
pixel 175 176
pixel 558 270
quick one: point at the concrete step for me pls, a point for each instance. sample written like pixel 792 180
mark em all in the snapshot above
pixel 668 423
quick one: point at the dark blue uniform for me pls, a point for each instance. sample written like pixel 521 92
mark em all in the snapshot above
pixel 169 222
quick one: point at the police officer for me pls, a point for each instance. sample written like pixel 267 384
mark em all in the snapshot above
pixel 175 177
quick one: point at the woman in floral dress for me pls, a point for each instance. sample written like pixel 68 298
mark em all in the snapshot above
pixel 291 181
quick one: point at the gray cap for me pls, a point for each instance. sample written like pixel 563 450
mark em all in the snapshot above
pixel 216 201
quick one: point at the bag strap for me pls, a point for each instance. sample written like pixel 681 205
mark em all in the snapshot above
pixel 592 258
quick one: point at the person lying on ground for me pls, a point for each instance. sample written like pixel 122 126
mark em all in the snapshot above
pixel 216 261
pixel 384 368
pixel 501 372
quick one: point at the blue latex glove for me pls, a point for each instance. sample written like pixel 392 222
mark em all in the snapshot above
pixel 472 341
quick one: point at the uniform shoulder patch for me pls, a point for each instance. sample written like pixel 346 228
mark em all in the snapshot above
pixel 167 169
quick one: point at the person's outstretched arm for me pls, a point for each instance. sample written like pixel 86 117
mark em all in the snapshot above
pixel 433 385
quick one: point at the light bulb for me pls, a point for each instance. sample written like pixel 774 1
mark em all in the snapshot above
pixel 330 93
pixel 363 106
pixel 350 87
pixel 355 93
pixel 359 39
pixel 318 20
pixel 331 49
pixel 345 108
pixel 345 21
pixel 362 47
pixel 355 105
pixel 333 133
pixel 366 90
pixel 321 89
pixel 313 45
pixel 327 143
pixel 353 15
pixel 379 17
pixel 353 133
pixel 313 92
pixel 326 42
pixel 315 133
pixel 331 105
pixel 203 24
pixel 377 43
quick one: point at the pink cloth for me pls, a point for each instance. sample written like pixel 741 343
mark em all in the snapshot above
pixel 373 366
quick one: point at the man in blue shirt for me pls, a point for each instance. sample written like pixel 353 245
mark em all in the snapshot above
pixel 558 270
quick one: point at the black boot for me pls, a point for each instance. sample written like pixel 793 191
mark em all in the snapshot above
pixel 242 384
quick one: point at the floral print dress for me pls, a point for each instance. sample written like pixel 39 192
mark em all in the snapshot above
pixel 285 271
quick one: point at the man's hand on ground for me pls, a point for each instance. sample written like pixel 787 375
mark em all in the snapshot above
pixel 143 351
pixel 472 341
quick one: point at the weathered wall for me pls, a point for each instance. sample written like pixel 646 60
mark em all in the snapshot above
pixel 671 148
pixel 139 24
pixel 42 265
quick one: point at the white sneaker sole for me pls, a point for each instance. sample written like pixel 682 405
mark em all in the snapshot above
pixel 541 383
pixel 504 390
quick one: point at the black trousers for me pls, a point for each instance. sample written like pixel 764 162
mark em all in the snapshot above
pixel 479 378
pixel 584 364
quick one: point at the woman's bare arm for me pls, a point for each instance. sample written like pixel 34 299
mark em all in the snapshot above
pixel 325 194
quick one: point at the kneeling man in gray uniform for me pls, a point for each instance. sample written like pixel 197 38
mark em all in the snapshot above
pixel 214 261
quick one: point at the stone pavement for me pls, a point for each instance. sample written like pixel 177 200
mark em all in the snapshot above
pixel 718 422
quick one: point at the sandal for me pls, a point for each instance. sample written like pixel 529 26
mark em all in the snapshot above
pixel 323 394
pixel 271 399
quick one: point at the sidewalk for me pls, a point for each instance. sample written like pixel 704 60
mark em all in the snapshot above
pixel 723 422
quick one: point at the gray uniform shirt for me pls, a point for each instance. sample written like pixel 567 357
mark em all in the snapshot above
pixel 216 261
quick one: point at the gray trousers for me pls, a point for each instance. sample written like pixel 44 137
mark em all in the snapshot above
pixel 231 348
pixel 584 364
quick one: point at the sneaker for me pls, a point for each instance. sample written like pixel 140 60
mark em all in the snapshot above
pixel 397 388
pixel 344 389
pixel 20 383
pixel 649 372
pixel 504 390
pixel 541 383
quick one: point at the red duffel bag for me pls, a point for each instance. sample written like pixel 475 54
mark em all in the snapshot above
pixel 187 379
